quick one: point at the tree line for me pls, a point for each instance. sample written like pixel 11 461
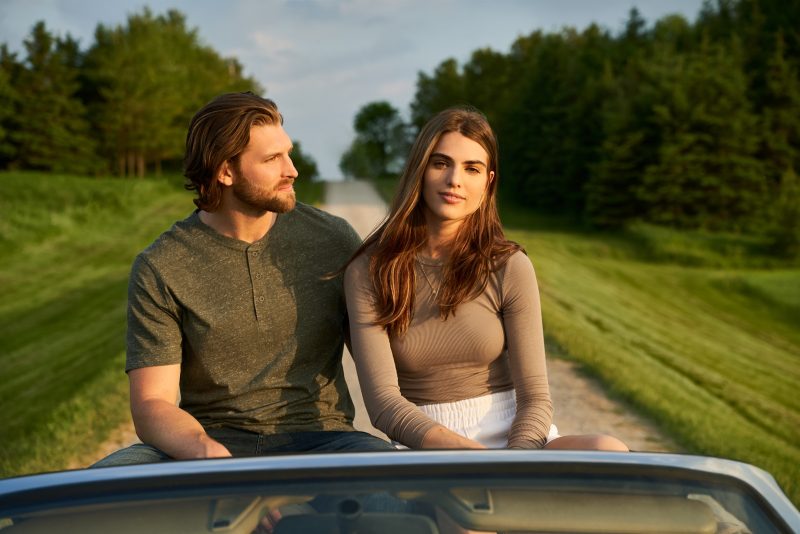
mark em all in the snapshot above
pixel 122 106
pixel 691 125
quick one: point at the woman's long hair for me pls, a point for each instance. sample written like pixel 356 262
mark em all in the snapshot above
pixel 479 247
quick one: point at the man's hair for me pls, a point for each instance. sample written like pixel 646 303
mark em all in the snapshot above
pixel 220 132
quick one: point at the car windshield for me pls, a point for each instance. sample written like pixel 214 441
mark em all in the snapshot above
pixel 407 499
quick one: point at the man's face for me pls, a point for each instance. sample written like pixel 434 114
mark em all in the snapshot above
pixel 264 176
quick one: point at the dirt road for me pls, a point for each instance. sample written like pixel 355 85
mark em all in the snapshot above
pixel 581 405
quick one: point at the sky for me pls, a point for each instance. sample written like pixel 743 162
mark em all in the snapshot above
pixel 322 60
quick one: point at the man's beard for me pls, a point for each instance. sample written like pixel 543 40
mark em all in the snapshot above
pixel 261 200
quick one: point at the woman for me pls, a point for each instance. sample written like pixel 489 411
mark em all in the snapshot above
pixel 444 312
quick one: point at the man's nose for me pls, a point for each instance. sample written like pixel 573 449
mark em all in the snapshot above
pixel 290 169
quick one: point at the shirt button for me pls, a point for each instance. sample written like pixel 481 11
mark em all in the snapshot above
pixel 260 299
pixel 258 275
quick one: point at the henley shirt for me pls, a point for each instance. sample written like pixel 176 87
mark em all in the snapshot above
pixel 256 328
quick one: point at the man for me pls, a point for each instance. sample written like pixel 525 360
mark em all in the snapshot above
pixel 231 308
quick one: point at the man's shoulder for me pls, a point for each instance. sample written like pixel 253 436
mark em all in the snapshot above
pixel 172 243
pixel 321 224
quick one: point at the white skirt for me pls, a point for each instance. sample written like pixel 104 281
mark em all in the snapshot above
pixel 485 419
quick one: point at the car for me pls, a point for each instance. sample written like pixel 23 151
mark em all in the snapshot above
pixel 406 492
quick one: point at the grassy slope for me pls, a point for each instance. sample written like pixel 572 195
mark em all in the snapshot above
pixel 66 245
pixel 711 353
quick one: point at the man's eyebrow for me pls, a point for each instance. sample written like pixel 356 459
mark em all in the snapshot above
pixel 277 153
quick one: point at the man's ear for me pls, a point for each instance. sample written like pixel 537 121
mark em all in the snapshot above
pixel 225 173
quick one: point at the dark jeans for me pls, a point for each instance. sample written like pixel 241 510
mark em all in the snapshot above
pixel 244 443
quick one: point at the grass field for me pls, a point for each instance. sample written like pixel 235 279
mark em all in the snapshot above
pixel 703 340
pixel 66 246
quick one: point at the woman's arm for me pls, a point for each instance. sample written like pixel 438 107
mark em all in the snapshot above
pixel 522 320
pixel 388 410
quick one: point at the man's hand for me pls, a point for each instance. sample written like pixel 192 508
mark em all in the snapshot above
pixel 161 423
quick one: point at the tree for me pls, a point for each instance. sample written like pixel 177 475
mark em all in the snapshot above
pixel 707 174
pixel 784 226
pixel 8 102
pixel 611 191
pixel 780 116
pixel 149 77
pixel 444 89
pixel 381 144
pixel 50 128
pixel 306 165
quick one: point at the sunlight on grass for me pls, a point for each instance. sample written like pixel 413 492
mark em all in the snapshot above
pixel 702 350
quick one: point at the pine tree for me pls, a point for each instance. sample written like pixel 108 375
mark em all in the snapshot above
pixel 51 131
pixel 611 190
pixel 784 226
pixel 8 103
pixel 707 174
pixel 781 115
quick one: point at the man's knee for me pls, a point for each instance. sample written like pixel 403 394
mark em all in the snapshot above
pixel 133 455
pixel 361 441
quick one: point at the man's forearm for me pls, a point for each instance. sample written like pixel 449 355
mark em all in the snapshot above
pixel 174 431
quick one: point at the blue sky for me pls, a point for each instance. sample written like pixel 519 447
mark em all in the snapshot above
pixel 321 60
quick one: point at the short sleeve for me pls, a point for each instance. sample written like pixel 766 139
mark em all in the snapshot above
pixel 154 331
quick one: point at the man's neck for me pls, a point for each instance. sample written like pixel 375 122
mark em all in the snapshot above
pixel 247 227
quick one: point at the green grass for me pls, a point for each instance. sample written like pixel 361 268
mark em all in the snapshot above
pixel 66 246
pixel 710 352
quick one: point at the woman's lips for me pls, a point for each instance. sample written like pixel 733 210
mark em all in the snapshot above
pixel 451 198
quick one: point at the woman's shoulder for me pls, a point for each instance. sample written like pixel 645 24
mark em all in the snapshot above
pixel 517 263
pixel 359 266
pixel 517 273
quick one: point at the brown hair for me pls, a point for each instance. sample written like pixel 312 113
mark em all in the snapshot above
pixel 478 249
pixel 219 132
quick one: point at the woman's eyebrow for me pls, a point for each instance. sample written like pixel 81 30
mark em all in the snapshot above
pixel 474 162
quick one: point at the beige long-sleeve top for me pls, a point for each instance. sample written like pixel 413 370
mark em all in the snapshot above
pixel 493 343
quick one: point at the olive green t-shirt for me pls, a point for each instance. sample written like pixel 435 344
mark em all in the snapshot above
pixel 256 328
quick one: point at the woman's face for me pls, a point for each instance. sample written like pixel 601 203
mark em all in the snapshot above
pixel 456 179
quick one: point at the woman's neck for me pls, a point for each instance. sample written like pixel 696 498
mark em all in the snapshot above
pixel 441 235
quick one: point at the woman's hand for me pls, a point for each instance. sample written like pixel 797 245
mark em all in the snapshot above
pixel 440 437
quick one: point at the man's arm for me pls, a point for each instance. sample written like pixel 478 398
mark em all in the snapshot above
pixel 160 422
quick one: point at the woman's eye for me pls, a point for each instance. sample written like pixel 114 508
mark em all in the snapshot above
pixel 473 170
pixel 439 164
